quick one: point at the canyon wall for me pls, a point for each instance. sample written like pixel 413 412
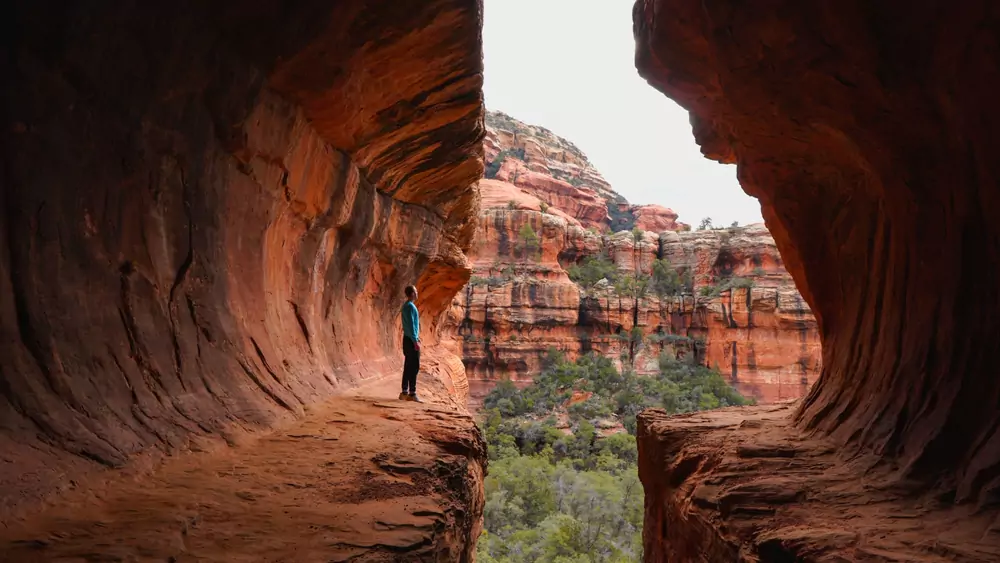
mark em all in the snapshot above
pixel 858 126
pixel 545 209
pixel 210 211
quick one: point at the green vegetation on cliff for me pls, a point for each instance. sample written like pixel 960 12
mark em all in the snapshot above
pixel 563 482
pixel 665 281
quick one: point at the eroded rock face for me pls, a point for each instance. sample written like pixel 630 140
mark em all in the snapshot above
pixel 547 167
pixel 856 128
pixel 743 485
pixel 521 302
pixel 209 215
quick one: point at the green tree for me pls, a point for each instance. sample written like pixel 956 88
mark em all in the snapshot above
pixel 592 270
pixel 706 224
pixel 726 284
pixel 530 243
pixel 633 286
pixel 622 445
pixel 687 280
pixel 665 281
pixel 573 495
pixel 527 479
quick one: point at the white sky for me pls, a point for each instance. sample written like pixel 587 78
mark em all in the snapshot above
pixel 568 65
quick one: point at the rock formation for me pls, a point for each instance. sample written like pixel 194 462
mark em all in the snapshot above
pixel 521 302
pixel 857 127
pixel 209 214
pixel 763 337
pixel 656 218
pixel 356 481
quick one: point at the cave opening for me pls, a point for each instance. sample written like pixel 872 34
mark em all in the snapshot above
pixel 648 263
pixel 209 213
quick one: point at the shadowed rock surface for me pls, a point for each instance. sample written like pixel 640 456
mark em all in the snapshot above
pixel 209 212
pixel 743 485
pixel 859 125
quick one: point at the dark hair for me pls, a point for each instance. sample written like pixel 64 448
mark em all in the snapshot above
pixel 410 290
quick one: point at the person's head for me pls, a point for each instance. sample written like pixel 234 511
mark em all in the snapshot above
pixel 411 292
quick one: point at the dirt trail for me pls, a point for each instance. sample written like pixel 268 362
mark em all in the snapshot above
pixel 361 478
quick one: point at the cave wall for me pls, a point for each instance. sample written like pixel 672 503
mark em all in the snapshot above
pixel 869 132
pixel 210 210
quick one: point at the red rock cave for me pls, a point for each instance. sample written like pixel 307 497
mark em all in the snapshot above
pixel 209 211
pixel 867 131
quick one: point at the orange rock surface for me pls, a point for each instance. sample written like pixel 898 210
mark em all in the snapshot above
pixel 764 337
pixel 739 485
pixel 547 167
pixel 209 216
pixel 519 304
pixel 868 131
pixel 362 478
pixel 655 218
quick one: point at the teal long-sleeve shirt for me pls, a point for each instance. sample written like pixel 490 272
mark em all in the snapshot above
pixel 411 321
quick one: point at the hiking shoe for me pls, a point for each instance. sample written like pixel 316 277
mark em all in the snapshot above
pixel 404 396
pixel 413 398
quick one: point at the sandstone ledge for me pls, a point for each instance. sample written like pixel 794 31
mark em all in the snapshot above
pixel 360 479
pixel 743 485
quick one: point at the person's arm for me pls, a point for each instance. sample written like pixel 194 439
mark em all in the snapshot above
pixel 411 322
pixel 416 325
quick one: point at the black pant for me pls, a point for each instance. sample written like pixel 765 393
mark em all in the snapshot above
pixel 411 365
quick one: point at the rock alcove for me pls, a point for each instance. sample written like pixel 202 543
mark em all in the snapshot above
pixel 209 213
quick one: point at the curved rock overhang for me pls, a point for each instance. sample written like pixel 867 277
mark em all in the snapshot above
pixel 869 133
pixel 210 210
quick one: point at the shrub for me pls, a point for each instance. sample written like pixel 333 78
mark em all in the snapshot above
pixel 665 280
pixel 530 242
pixel 592 270
pixel 493 167
pixel 593 408
pixel 632 286
pixel 726 284
pixel 552 496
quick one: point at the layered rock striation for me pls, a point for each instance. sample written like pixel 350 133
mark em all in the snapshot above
pixel 209 215
pixel 856 127
pixel 521 300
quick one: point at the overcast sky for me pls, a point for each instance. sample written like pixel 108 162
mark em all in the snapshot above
pixel 568 65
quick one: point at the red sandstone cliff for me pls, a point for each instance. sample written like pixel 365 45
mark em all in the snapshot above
pixel 209 212
pixel 521 301
pixel 857 125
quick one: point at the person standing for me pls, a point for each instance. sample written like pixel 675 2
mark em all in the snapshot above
pixel 411 345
